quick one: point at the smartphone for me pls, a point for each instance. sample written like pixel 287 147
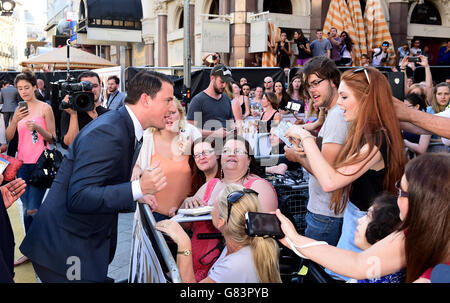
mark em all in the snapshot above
pixel 23 104
pixel 414 59
pixel 281 130
pixel 263 225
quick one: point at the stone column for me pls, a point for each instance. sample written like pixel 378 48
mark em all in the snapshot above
pixel 224 9
pixel 149 51
pixel 161 11
pixel 398 25
pixel 319 10
pixel 240 32
pixel 117 54
pixel 128 56
pixel 108 52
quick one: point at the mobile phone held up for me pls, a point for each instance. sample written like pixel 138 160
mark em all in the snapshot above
pixel 23 104
pixel 263 225
pixel 414 59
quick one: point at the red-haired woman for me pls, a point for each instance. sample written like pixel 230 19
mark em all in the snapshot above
pixel 373 156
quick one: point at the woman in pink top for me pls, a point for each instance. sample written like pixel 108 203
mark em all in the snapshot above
pixel 170 148
pixel 34 124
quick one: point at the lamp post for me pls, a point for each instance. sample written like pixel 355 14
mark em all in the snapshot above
pixel 7 7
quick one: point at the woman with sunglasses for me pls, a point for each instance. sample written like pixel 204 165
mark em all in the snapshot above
pixel 239 167
pixel 372 157
pixel 244 259
pixel 419 244
pixel 168 148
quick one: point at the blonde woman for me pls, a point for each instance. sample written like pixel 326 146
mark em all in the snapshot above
pixel 244 259
pixel 169 147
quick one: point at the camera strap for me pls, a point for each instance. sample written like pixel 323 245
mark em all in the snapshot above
pixel 108 103
pixel 294 249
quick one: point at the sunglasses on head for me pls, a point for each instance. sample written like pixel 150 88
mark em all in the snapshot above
pixel 365 72
pixel 235 196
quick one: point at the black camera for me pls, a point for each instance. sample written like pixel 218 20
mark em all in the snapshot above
pixel 214 57
pixel 81 97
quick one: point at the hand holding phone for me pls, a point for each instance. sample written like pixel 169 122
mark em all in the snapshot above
pixel 263 225
pixel 281 130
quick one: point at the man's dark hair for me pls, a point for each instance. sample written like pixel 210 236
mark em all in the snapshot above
pixel 115 78
pixel 88 74
pixel 324 68
pixel 415 99
pixel 26 76
pixel 145 82
pixel 385 218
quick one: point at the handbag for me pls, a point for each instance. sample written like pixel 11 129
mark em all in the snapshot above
pixel 11 170
pixel 46 167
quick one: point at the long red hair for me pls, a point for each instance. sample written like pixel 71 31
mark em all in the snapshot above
pixel 376 119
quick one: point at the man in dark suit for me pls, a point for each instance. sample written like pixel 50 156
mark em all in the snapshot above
pixel 10 98
pixel 74 235
pixel 40 91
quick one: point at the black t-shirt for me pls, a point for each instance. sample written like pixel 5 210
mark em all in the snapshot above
pixel 209 111
pixel 371 184
pixel 83 120
pixel 6 246
pixel 283 59
pixel 302 54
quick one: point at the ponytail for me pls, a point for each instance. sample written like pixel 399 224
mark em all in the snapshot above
pixel 265 254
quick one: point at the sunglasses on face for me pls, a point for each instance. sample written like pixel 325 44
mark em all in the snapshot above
pixel 400 191
pixel 235 196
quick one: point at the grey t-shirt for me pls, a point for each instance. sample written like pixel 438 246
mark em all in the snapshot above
pixel 237 267
pixel 334 130
pixel 210 113
pixel 319 48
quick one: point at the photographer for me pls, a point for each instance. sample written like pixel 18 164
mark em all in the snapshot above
pixel 71 120
pixel 380 56
pixel 215 57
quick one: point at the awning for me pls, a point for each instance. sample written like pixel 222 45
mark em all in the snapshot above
pixel 129 10
pixel 339 17
pixel 268 58
pixel 354 7
pixel 377 29
pixel 57 58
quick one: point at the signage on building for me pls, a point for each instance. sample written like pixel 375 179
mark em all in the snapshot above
pixel 216 36
pixel 258 37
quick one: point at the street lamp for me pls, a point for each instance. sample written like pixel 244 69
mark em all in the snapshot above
pixel 7 7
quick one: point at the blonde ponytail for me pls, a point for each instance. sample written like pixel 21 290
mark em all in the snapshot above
pixel 265 252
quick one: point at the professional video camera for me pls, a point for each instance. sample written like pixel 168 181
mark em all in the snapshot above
pixel 81 97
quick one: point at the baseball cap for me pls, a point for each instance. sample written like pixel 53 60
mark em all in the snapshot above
pixel 223 72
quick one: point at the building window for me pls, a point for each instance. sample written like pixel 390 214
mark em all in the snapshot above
pixel 426 13
pixel 279 7
pixel 214 8
pixel 181 19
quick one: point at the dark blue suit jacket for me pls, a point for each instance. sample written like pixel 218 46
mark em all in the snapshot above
pixel 79 216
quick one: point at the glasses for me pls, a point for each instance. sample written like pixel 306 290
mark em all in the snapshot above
pixel 268 81
pixel 240 152
pixel 400 191
pixel 315 83
pixel 204 153
pixel 365 72
pixel 235 196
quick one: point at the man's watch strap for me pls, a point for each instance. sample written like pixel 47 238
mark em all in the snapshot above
pixel 186 252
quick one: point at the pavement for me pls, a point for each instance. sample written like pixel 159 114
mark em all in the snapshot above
pixel 119 267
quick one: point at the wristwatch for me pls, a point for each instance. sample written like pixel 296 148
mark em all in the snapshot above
pixel 186 252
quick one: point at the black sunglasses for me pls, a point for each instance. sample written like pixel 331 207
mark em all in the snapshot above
pixel 235 196
pixel 400 191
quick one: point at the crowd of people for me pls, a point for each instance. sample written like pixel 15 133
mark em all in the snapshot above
pixel 379 169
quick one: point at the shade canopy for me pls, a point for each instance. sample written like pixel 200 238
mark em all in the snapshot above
pixel 57 58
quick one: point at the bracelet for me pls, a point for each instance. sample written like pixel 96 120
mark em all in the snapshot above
pixel 309 136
